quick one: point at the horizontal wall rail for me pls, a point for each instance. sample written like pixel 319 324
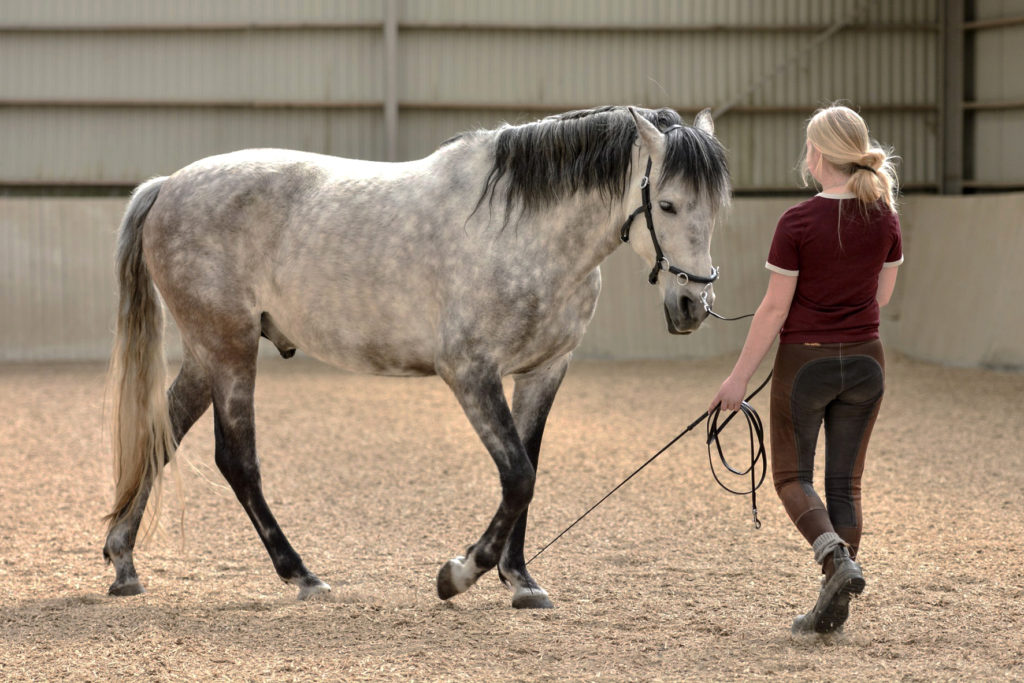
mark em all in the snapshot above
pixel 517 105
pixel 986 24
pixel 462 26
pixel 994 106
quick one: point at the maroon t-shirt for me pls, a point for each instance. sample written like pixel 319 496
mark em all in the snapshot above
pixel 836 247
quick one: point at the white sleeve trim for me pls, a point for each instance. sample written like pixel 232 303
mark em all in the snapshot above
pixel 781 271
pixel 893 264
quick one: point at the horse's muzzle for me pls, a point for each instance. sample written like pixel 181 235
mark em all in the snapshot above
pixel 683 314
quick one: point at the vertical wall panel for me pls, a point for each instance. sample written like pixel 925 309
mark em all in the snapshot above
pixel 230 66
pixel 56 269
pixel 184 12
pixel 112 146
pixel 658 12
pixel 998 134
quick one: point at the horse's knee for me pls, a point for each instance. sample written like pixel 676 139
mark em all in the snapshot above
pixel 517 491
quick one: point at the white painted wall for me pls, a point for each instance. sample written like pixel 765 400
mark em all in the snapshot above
pixel 958 300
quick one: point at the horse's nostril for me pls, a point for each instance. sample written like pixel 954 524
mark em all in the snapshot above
pixel 688 306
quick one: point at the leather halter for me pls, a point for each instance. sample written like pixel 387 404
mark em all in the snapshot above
pixel 661 262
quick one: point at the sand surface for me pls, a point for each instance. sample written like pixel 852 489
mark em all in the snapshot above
pixel 378 481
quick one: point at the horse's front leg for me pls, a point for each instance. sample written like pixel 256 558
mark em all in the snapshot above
pixel 478 389
pixel 531 402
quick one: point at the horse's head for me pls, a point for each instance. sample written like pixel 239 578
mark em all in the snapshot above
pixel 684 181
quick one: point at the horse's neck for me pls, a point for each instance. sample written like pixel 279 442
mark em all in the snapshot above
pixel 592 222
pixel 599 236
pixel 600 232
pixel 573 237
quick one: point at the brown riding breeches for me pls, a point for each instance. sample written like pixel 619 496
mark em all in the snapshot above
pixel 840 385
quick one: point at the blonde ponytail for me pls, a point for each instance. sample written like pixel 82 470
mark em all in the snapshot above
pixel 842 137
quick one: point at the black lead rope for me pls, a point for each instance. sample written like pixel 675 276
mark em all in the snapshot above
pixel 755 429
pixel 757 456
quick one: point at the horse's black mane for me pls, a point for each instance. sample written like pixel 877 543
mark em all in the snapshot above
pixel 590 149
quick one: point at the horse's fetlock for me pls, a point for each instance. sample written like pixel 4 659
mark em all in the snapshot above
pixel 288 568
pixel 486 558
pixel 116 546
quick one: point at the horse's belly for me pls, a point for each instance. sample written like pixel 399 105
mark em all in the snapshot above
pixel 358 340
pixel 405 332
pixel 399 357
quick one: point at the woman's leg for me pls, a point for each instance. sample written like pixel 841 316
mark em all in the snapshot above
pixel 809 380
pixel 849 420
pixel 801 393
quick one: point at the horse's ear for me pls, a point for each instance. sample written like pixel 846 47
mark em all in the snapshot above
pixel 650 136
pixel 704 122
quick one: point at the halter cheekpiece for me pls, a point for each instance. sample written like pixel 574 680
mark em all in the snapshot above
pixel 661 261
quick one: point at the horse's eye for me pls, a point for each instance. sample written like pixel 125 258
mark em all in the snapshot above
pixel 667 207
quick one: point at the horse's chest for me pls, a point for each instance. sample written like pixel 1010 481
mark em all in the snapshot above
pixel 533 325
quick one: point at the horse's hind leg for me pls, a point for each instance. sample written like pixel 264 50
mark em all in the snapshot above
pixel 234 429
pixel 531 403
pixel 478 389
pixel 188 398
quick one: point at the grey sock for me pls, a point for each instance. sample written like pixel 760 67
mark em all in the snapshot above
pixel 825 544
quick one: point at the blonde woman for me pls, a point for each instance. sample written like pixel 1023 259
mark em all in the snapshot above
pixel 833 263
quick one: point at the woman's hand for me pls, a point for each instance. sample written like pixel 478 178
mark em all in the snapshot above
pixel 763 329
pixel 729 395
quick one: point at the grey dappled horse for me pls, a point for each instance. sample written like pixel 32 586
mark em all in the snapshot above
pixel 477 262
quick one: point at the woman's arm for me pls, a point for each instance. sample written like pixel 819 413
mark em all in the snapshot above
pixel 768 320
pixel 886 284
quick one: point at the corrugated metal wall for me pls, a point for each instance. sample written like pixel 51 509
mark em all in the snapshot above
pixel 57 264
pixel 996 100
pixel 113 91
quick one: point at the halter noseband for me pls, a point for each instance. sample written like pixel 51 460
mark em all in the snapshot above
pixel 661 262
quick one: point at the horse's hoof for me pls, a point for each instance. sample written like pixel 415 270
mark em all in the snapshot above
pixel 124 589
pixel 310 586
pixel 445 586
pixel 531 598
pixel 452 578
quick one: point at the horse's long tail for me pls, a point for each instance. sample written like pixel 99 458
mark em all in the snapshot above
pixel 143 439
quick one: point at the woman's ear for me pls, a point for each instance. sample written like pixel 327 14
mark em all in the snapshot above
pixel 813 158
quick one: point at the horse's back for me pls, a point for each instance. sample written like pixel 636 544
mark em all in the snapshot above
pixel 263 189
pixel 241 184
pixel 348 257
